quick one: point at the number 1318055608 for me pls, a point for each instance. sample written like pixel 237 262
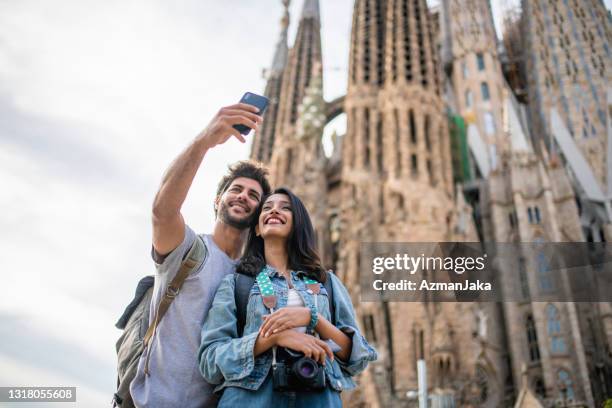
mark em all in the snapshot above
pixel 37 394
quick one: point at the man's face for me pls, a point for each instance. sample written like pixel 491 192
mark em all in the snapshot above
pixel 236 206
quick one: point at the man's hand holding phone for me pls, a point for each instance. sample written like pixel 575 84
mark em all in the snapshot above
pixel 221 127
pixel 236 120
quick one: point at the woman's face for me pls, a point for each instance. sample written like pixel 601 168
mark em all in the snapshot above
pixel 276 218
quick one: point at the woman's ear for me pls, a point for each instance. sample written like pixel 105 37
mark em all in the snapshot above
pixel 257 230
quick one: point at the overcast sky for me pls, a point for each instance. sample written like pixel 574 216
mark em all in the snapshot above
pixel 96 99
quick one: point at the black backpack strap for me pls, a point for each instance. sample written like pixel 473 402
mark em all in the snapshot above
pixel 330 297
pixel 242 290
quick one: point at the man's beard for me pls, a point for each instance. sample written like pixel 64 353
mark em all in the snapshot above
pixel 238 223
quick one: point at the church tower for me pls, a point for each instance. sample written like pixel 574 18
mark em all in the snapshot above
pixel 304 56
pixel 568 56
pixel 263 141
pixel 472 62
pixel 397 186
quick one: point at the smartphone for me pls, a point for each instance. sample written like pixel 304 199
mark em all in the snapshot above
pixel 256 100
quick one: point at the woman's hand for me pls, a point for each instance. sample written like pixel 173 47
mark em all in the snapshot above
pixel 283 319
pixel 309 345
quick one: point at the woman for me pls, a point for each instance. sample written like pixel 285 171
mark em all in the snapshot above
pixel 288 316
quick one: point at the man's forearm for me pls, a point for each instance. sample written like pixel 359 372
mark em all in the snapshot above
pixel 178 179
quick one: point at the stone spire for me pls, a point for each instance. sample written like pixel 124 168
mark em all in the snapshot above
pixel 311 10
pixel 280 55
pixel 263 142
pixel 303 56
pixel 367 60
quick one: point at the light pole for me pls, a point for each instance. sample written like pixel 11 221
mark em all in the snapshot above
pixel 422 378
pixel 421 392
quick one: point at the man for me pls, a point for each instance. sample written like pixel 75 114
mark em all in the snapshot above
pixel 172 378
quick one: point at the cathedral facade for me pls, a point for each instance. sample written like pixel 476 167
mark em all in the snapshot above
pixel 438 148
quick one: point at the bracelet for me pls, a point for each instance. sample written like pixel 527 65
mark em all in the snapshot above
pixel 314 319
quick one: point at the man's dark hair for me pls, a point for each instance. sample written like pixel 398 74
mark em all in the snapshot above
pixel 301 244
pixel 249 169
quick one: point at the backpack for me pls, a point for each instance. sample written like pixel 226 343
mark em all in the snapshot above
pixel 243 288
pixel 138 331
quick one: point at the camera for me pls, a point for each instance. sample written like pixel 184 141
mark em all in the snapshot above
pixel 295 372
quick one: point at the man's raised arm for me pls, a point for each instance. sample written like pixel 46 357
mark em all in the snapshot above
pixel 168 223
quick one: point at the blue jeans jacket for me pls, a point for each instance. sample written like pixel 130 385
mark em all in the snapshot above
pixel 227 360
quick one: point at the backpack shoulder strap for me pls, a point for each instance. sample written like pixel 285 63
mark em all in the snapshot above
pixel 141 289
pixel 330 297
pixel 194 258
pixel 242 289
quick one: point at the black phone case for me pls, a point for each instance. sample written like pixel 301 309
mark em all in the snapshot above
pixel 256 100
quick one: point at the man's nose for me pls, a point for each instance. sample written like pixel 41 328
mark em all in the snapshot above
pixel 243 196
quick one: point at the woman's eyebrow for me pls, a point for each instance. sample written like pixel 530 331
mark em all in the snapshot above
pixel 281 201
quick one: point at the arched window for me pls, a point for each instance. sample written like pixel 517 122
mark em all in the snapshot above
pixel 426 134
pixel 544 273
pixel 553 323
pixel 480 61
pixel 414 165
pixel 530 215
pixel 468 98
pixel 532 339
pixel 565 385
pixel 537 214
pixel 413 129
pixel 523 278
pixel 484 88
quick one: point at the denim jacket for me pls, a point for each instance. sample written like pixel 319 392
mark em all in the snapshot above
pixel 227 360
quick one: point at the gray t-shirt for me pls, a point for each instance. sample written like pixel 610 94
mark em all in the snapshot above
pixel 174 378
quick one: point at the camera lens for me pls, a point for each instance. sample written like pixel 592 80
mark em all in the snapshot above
pixel 306 368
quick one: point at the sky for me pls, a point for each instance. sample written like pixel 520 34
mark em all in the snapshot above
pixel 96 100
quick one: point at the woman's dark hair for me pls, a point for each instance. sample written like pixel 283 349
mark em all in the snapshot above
pixel 301 244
